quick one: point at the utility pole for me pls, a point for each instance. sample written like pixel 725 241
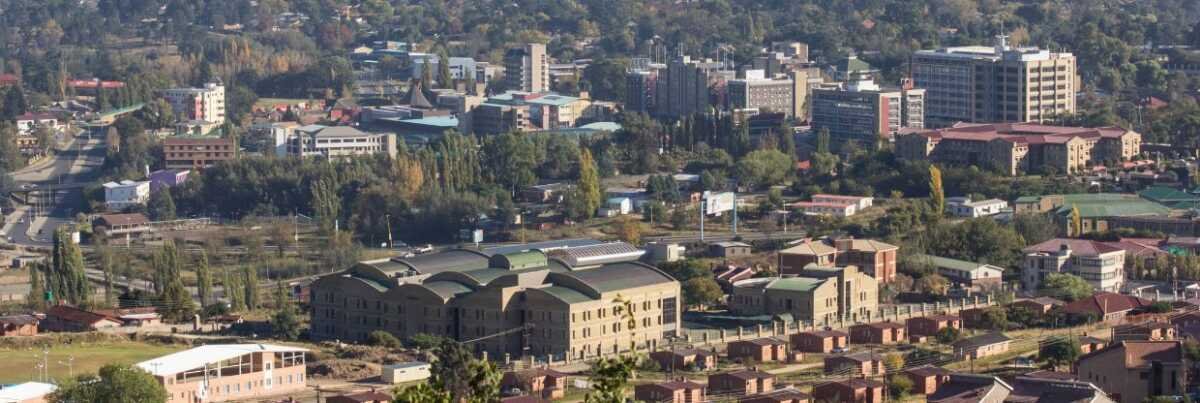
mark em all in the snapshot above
pixel 702 202
pixel 387 219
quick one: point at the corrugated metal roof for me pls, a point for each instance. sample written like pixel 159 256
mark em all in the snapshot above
pixel 446 289
pixel 565 294
pixel 620 276
pixel 212 353
pixel 803 284
pixel 455 259
pixel 519 260
pixel 26 391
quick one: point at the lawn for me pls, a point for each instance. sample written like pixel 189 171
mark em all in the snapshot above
pixel 21 365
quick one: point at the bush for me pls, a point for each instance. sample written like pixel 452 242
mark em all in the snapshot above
pixel 900 385
pixel 948 335
pixel 383 339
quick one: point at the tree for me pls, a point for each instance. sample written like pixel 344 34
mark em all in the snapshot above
pixel 204 280
pixel 66 280
pixel 444 78
pixel 937 194
pixel 763 168
pixel 421 393
pixel 994 318
pixel 589 181
pixel 1034 228
pixel 1059 351
pixel 893 362
pixel 37 291
pixel 115 383
pixel 823 141
pixel 250 283
pixel 1067 287
pixel 699 291
pixel 286 321
pixel 948 335
pixel 932 284
pixel 457 373
pixel 382 338
pixel 610 379
pixel 606 79
pixel 628 230
pixel 899 385
pixel 176 300
pixel 1076 221
pixel 161 206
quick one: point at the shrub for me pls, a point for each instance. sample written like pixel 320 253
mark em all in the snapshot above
pixel 383 339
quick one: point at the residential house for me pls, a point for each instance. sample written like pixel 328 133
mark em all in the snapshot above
pixel 785 395
pixel 28 392
pixel 197 152
pixel 1088 344
pixel 825 209
pixel 685 358
pixel 981 346
pixel 862 364
pixel 850 391
pixel 973 316
pixel 362 397
pixel 766 349
pixel 970 388
pixel 670 392
pixel 927 378
pixel 860 203
pixel 133 317
pixel 1039 305
pixel 1131 371
pixel 229 372
pixel 964 388
pixel 1105 306
pixel 1186 319
pixel 1143 331
pixel 878 259
pixel 965 207
pixel 820 341
pixel 1101 265
pixel 877 333
pixel 547 383
pixel 976 276
pixel 125 194
pixel 18 325
pixel 546 193
pixel 729 249
pixel 930 325
pixel 63 318
pixel 121 228
pixel 741 382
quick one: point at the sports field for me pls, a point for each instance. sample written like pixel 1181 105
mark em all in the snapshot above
pixel 21 365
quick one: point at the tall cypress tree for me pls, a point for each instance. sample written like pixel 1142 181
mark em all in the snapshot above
pixel 204 280
pixel 589 181
pixel 250 282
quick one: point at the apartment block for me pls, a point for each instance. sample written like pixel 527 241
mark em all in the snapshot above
pixel 576 302
pixel 862 111
pixel 527 68
pixel 335 142
pixel 495 118
pixel 997 83
pixel 640 88
pixel 197 152
pixel 1131 371
pixel 229 372
pixel 763 94
pixel 1101 265
pixel 205 104
pixel 875 258
pixel 545 110
pixel 821 295
pixel 1017 148
pixel 684 89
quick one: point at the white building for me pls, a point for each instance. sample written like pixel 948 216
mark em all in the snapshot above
pixel 964 207
pixel 230 372
pixel 127 193
pixel 279 133
pixel 860 203
pixel 29 122
pixel 338 142
pixel 1103 266
pixel 406 372
pixel 203 104
pixel 830 209
pixel 28 392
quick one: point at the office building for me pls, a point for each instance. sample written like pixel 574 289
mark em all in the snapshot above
pixel 527 68
pixel 820 295
pixel 864 112
pixel 229 372
pixel 197 152
pixel 762 94
pixel 684 89
pixel 640 89
pixel 1017 148
pixel 339 142
pixel 1101 265
pixel 997 83
pixel 204 104
pixel 565 296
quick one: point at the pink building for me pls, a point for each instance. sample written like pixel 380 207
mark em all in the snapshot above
pixel 228 372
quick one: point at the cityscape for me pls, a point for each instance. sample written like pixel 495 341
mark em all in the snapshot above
pixel 599 201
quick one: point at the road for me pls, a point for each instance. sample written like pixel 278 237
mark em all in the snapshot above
pixel 53 188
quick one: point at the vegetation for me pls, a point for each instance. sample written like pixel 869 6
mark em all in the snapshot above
pixel 383 339
pixel 115 383
pixel 610 379
pixel 1067 287
pixel 1058 351
pixel 456 376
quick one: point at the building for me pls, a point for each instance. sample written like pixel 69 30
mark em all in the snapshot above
pixel 1131 371
pixel 877 333
pixel 63 318
pixel 640 86
pixel 204 104
pixel 1143 331
pixel 849 391
pixel 28 392
pixel 133 317
pixel 544 110
pixel 875 258
pixel 1018 148
pixel 962 388
pixel 1089 344
pixel 742 382
pixel 821 296
pixel 197 152
pixel 1098 212
pixel 857 364
pixel 1103 266
pixel 683 88
pixel 930 325
pixel 670 392
pixel 995 83
pixel 125 194
pixel 362 397
pixel 965 207
pixel 229 372
pixel 785 395
pixel 819 341
pixel 18 325
pixel 336 142
pixel 963 273
pixel 1105 306
pixel 465 294
pixel 729 249
pixel 686 358
pixel 826 209
pixel 527 68
pixel 760 93
pixel 862 111
pixel 28 122
pixel 168 178
pixel 546 383
pixel 927 378
pixel 765 349
pixel 1039 305
pixel 121 228
pixel 405 372
pixel 981 346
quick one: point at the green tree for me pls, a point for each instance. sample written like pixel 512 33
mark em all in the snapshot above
pixel 947 335
pixel 1076 221
pixel 115 383
pixel 1059 351
pixel 763 168
pixel 176 300
pixel 285 323
pixel 589 182
pixel 899 385
pixel 66 280
pixel 932 284
pixel 937 194
pixel 1035 228
pixel 610 379
pixel 1067 287
pixel 699 291
pixel 421 393
pixel 161 206
pixel 250 283
pixel 465 378
pixel 204 280
pixel 994 318
pixel 37 291
pixel 823 141
pixel 444 78
pixel 382 338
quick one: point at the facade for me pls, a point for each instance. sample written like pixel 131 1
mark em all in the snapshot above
pixel 527 68
pixel 877 333
pixel 465 294
pixel 860 203
pixel 1089 344
pixel 700 360
pixel 966 274
pixel 981 346
pixel 670 392
pixel 335 142
pixel 785 395
pixel 926 379
pixel 820 341
pixel 1017 148
pixel 1143 331
pixel 1098 212
pixel 995 83
pixel 640 86
pixel 877 259
pixel 930 325
pixel 121 228
pixel 30 121
pixel 729 249
pixel 1131 371
pixel 821 296
pixel 205 104
pixel 965 207
pixel 63 318
pixel 545 111
pixel 405 372
pixel 1103 266
pixel 863 112
pixel 545 383
pixel 168 178
pixel 197 152
pixel 495 118
pixel 684 88
pixel 850 391
pixel 857 364
pixel 229 372
pixel 742 382
pixel 18 325
pixel 125 194
pixel 764 349
pixel 1105 306
pixel 757 92
pixel 826 209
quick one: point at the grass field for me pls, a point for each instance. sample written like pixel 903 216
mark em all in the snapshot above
pixel 22 365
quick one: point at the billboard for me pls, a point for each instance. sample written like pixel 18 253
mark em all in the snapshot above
pixel 716 203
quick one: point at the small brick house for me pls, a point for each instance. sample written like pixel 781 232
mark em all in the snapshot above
pixel 1089 344
pixel 671 391
pixel 766 349
pixel 743 382
pixel 1039 305
pixel 850 391
pixel 926 379
pixel 786 395
pixel 877 333
pixel 928 326
pixel 547 383
pixel 981 346
pixel 701 360
pixel 18 325
pixel 822 341
pixel 864 363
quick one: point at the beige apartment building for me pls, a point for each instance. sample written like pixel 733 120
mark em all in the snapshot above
pixel 527 68
pixel 229 372
pixel 572 302
pixel 820 295
pixel 997 83
pixel 1016 148
pixel 1100 264
pixel 762 93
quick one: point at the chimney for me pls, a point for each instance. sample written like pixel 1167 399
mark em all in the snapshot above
pixel 843 244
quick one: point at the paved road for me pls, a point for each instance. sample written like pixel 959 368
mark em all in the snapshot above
pixel 54 190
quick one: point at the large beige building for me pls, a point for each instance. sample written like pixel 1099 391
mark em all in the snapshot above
pixel 527 68
pixel 1015 148
pixel 205 104
pixel 821 295
pixel 229 372
pixel 779 94
pixel 561 301
pixel 997 83
pixel 1100 264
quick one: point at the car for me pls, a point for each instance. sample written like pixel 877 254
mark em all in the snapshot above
pixel 839 350
pixel 423 249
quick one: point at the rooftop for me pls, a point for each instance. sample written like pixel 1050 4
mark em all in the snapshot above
pixel 982 340
pixel 1082 247
pixel 26 391
pixel 954 264
pixel 199 356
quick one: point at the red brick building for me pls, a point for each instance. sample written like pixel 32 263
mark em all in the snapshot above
pixel 930 325
pixel 197 152
pixel 926 379
pixel 766 349
pixel 877 333
pixel 743 382
pixel 18 325
pixel 670 392
pixel 850 391
pixel 821 341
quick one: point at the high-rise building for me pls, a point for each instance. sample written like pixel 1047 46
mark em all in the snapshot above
pixel 528 68
pixel 758 92
pixel 683 90
pixel 863 111
pixel 640 86
pixel 995 84
pixel 203 104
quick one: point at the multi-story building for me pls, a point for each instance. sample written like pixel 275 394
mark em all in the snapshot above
pixel 862 111
pixel 126 193
pixel 339 142
pixel 527 68
pixel 995 84
pixel 1131 371
pixel 684 89
pixel 640 88
pixel 197 152
pixel 1101 265
pixel 821 295
pixel 277 134
pixel 757 92
pixel 545 110
pixel 229 372
pixel 606 302
pixel 1015 148
pixel 495 118
pixel 203 104
pixel 877 259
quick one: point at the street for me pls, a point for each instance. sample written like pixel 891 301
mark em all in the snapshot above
pixel 52 189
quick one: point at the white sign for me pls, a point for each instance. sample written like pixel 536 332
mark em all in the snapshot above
pixel 716 203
